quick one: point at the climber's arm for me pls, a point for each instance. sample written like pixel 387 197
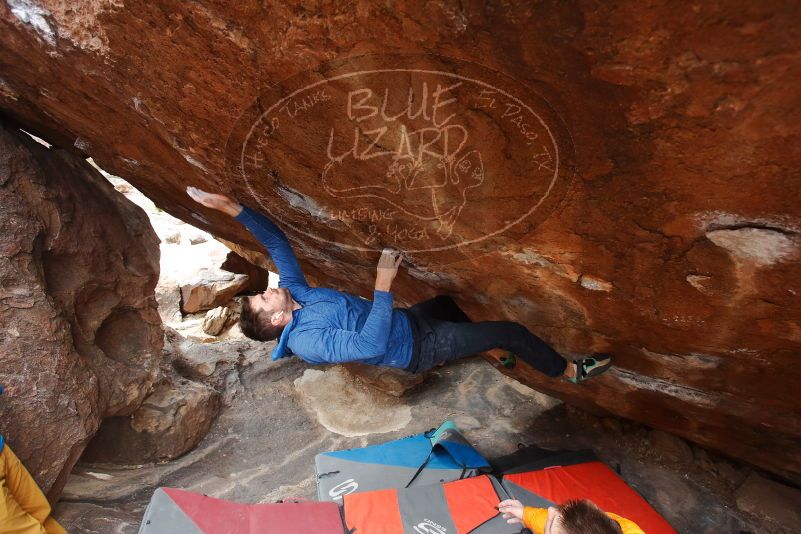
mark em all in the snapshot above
pixel 263 229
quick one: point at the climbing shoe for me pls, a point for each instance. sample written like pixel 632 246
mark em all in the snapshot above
pixel 509 361
pixel 590 366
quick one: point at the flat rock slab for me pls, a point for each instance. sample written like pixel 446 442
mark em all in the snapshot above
pixel 347 407
pixel 211 288
pixel 779 503
pixel 391 381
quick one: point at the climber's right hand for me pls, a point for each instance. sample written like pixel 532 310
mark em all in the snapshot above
pixel 512 510
pixel 214 201
pixel 387 269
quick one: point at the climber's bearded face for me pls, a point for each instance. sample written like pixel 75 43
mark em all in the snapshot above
pixel 274 303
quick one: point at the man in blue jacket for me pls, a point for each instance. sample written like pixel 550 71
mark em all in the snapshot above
pixel 322 325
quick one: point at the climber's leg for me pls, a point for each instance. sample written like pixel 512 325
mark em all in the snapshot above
pixel 445 340
pixel 441 308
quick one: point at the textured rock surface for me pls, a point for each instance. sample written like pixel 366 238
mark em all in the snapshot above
pixel 197 239
pixel 670 236
pixel 213 364
pixel 670 447
pixel 388 380
pixel 170 422
pixel 168 296
pixel 221 319
pixel 781 504
pixel 81 338
pixel 344 406
pixel 211 289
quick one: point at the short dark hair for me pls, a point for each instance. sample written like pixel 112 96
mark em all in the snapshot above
pixel 584 517
pixel 256 325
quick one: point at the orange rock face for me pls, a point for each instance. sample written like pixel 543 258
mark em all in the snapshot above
pixel 618 177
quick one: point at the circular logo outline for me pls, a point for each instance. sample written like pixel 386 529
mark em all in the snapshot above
pixel 339 63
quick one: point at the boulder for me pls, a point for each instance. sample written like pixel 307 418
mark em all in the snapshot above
pixel 81 337
pixel 221 319
pixel 388 380
pixel 347 407
pixel 123 188
pixel 211 362
pixel 766 498
pixel 618 176
pixel 211 288
pixel 168 297
pixel 170 422
pixel 196 239
pixel 173 238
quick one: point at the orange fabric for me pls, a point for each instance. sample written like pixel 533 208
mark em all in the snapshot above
pixel 471 502
pixel 628 527
pixel 534 519
pixel 376 512
pixel 596 482
pixel 23 507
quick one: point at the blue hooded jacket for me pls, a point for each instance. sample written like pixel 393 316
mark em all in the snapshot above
pixel 332 326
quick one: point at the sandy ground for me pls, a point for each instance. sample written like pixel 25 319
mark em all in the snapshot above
pixel 278 415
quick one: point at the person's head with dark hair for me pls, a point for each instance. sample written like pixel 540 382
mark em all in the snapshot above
pixel 570 517
pixel 264 316
pixel 582 517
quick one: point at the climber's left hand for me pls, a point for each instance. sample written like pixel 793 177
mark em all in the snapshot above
pixel 214 201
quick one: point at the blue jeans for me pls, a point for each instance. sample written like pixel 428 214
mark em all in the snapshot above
pixel 442 332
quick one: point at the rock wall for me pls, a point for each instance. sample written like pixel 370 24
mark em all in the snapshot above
pixel 80 336
pixel 617 176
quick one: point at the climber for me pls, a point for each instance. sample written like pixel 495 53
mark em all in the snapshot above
pixel 23 507
pixel 571 517
pixel 323 325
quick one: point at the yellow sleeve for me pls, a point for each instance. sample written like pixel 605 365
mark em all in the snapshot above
pixel 23 506
pixel 628 527
pixel 534 519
